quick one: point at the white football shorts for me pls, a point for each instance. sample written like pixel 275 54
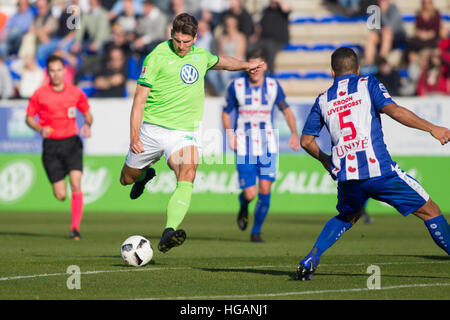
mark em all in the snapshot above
pixel 159 141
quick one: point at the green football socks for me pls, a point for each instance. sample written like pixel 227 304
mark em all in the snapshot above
pixel 179 204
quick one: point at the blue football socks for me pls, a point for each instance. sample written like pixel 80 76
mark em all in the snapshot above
pixel 331 233
pixel 440 232
pixel 242 200
pixel 261 209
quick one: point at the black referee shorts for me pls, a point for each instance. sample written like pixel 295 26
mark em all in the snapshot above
pixel 60 156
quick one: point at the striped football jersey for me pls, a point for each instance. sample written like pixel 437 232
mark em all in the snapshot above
pixel 350 109
pixel 254 122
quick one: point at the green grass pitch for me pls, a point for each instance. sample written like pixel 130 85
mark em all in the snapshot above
pixel 217 261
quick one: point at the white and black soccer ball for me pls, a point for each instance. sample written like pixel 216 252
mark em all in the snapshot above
pixel 136 251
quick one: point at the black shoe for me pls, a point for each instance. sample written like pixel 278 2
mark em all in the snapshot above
pixel 139 186
pixel 242 219
pixel 171 238
pixel 306 269
pixel 256 237
pixel 75 234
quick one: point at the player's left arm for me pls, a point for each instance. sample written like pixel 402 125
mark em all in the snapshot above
pixel 84 107
pixel 233 64
pixel 294 142
pixel 311 130
pixel 410 119
pixel 85 130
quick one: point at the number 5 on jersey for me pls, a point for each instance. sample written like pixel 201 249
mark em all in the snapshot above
pixel 348 124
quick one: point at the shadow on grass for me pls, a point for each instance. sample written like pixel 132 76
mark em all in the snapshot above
pixel 430 257
pixel 292 274
pixel 124 265
pixel 30 234
pixel 384 275
pixel 257 271
pixel 217 239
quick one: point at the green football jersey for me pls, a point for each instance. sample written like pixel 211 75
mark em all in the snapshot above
pixel 177 85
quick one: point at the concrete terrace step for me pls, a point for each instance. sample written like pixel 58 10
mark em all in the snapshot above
pixel 305 87
pixel 327 32
pixel 319 7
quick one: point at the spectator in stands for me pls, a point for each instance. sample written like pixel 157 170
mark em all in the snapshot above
pixel 94 30
pixel 177 7
pixel 427 31
pixel 272 33
pixel 90 38
pixel 232 43
pixel 60 39
pixel 214 9
pixel 111 80
pixel 41 30
pixel 3 19
pixel 444 45
pixel 391 34
pixel 389 76
pixel 17 25
pixel 31 76
pixel 351 7
pixel 128 20
pixel 108 4
pixel 206 40
pixel 6 81
pixel 151 29
pixel 245 22
pixel 193 7
pixel 118 40
pixel 118 8
pixel 433 78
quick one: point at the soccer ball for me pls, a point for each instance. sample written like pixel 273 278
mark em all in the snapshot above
pixel 136 251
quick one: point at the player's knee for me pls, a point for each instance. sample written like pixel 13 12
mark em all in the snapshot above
pixel 188 174
pixel 429 210
pixel 250 194
pixel 125 180
pixel 76 188
pixel 349 217
pixel 61 196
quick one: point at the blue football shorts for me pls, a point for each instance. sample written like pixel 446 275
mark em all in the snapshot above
pixel 396 188
pixel 250 168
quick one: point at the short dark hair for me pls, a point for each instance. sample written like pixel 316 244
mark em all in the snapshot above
pixel 54 58
pixel 186 24
pixel 344 60
pixel 256 54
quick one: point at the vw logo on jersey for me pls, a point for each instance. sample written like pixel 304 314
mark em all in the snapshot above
pixel 189 74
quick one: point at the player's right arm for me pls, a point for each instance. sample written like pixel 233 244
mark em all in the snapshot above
pixel 231 137
pixel 43 131
pixel 137 113
pixel 231 103
pixel 311 130
pixel 308 142
pixel 410 119
pixel 31 112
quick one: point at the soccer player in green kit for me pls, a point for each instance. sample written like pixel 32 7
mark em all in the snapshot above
pixel 165 118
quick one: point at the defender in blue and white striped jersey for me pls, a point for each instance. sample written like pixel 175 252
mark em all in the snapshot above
pixel 351 111
pixel 254 97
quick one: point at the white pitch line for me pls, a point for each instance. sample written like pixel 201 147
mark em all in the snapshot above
pixel 86 272
pixel 281 294
pixel 43 275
